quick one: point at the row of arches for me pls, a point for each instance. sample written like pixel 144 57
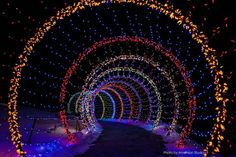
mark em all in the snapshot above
pixel 167 73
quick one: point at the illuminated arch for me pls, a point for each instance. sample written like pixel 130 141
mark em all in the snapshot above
pixel 155 65
pixel 159 49
pixel 199 37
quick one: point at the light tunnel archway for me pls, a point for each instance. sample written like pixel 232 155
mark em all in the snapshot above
pixel 158 48
pixel 155 65
pixel 166 9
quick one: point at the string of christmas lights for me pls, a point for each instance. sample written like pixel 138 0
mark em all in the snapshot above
pixel 214 70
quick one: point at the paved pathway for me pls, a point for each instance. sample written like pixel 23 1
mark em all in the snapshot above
pixel 121 140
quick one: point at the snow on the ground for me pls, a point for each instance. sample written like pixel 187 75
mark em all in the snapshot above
pixel 48 139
